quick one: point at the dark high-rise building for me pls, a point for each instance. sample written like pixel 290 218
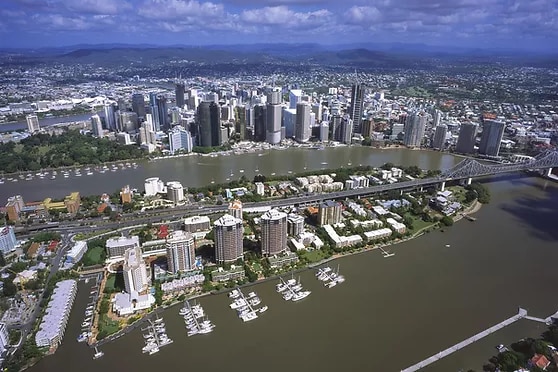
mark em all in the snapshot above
pixel 439 140
pixel 260 120
pixel 466 139
pixel 367 128
pixel 209 123
pixel 138 105
pixel 492 133
pixel 240 121
pixel 179 94
pixel 335 128
pixel 163 113
pixel 357 106
pixel 153 107
pixel 215 117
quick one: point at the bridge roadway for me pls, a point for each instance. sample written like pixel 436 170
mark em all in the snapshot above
pixel 522 313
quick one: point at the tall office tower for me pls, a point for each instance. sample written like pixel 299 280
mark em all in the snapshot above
pixel 135 271
pixel 324 131
pixel 122 104
pixel 180 139
pixel 154 112
pixel 215 118
pixel 295 97
pixel 32 123
pixel 466 139
pixel 317 110
pixel 274 232
pixel 228 239
pixel 126 121
pixel 138 105
pixel 357 106
pixel 163 113
pixel 439 140
pixel 179 94
pixel 302 125
pixel 274 97
pixel 335 128
pixel 204 122
pixel 260 118
pixel 273 135
pixel 235 209
pixel 193 100
pixel 110 120
pixel 367 128
pixel 329 213
pixel 240 121
pixel 289 122
pixel 346 129
pixel 492 133
pixel 181 256
pixel 96 126
pixel 414 129
pixel 436 118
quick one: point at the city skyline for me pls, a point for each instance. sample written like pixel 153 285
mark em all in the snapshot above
pixel 494 24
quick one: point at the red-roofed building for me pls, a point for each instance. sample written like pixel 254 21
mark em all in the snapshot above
pixel 101 208
pixel 163 232
pixel 52 246
pixel 540 361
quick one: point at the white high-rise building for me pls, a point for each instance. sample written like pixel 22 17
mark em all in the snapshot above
pixel 180 139
pixel 175 191
pixel 4 338
pixel 302 126
pixel 274 232
pixel 154 186
pixel 295 97
pixel 33 123
pixel 235 209
pixel 415 125
pixel 228 239
pixel 96 126
pixel 180 252
pixel 134 271
pixel 8 239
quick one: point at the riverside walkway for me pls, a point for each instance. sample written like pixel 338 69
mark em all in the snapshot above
pixel 522 313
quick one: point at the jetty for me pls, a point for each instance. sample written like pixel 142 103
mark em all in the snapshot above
pixel 385 253
pixel 522 313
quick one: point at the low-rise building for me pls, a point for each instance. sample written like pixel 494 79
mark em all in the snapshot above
pixel 4 338
pixel 197 223
pixel 288 258
pixel 76 253
pixel 341 241
pixel 397 226
pixel 52 328
pixel 222 275
pixel 378 234
pixel 128 303
pixel 260 188
pixel 71 203
pixel 117 246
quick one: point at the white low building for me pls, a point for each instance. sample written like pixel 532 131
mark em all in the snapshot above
pixel 342 241
pixel 397 226
pixel 76 253
pixel 52 328
pixel 128 303
pixel 378 234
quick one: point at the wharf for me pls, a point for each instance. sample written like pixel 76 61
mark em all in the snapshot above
pixel 190 311
pixel 247 302
pixel 522 313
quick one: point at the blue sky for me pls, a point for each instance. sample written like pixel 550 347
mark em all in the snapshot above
pixel 518 24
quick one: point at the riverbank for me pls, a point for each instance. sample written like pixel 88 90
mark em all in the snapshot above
pixel 473 208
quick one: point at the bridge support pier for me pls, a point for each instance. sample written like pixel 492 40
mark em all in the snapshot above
pixel 548 172
pixel 443 186
pixel 421 189
pixel 469 180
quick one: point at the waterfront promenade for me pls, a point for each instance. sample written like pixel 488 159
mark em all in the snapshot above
pixel 522 313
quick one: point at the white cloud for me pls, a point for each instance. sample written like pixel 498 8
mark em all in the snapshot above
pixel 363 14
pixel 177 9
pixel 98 6
pixel 282 16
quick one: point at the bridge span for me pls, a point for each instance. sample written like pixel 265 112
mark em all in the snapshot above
pixel 522 313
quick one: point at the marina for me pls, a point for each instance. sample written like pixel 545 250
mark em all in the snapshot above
pixel 246 305
pixel 385 253
pixel 156 336
pixel 291 290
pixel 98 353
pixel 195 319
pixel 329 277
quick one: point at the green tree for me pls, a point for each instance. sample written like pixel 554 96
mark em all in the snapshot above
pixel 447 221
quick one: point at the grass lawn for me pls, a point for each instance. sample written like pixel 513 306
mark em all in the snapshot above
pixel 314 255
pixel 107 326
pixel 94 255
